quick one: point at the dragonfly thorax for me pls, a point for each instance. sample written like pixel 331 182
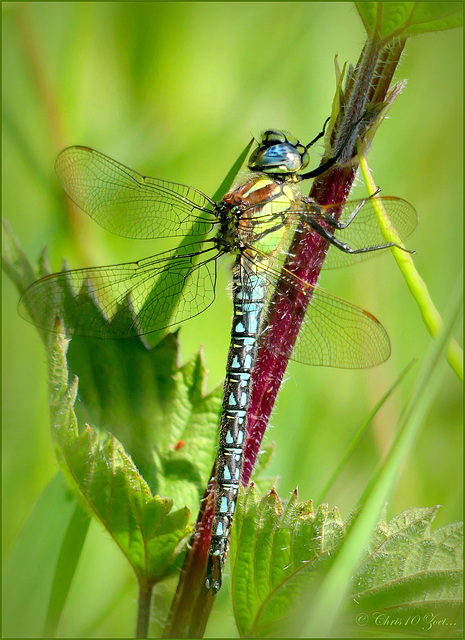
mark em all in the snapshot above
pixel 255 214
pixel 228 237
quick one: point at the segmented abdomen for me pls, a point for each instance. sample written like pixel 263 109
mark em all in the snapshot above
pixel 248 298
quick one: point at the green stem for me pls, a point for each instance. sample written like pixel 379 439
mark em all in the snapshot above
pixel 143 610
pixel 431 316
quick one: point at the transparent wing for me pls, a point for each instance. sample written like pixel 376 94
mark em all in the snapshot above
pixel 128 203
pixel 362 232
pixel 125 300
pixel 334 333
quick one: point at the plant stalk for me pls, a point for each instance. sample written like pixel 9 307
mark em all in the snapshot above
pixel 191 606
pixel 369 79
pixel 143 610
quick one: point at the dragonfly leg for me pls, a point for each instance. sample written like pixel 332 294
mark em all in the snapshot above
pixel 320 135
pixel 342 246
pixel 337 224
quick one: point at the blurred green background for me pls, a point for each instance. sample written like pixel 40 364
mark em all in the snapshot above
pixel 176 90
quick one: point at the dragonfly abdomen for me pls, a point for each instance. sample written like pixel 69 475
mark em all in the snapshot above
pixel 249 299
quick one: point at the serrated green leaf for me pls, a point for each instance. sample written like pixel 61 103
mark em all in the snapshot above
pixel 274 551
pixel 15 263
pixel 411 571
pixel 388 20
pixel 156 408
pixel 159 410
pixel 279 555
pixel 135 428
pixel 109 485
pixel 19 269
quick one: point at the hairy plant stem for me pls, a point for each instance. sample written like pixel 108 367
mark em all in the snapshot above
pixel 366 89
pixel 370 78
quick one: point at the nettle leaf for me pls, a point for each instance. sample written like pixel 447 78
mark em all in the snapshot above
pixel 412 575
pixel 279 555
pixel 15 263
pixel 134 432
pixel 275 552
pixel 103 474
pixel 156 408
pixel 389 20
pixel 108 483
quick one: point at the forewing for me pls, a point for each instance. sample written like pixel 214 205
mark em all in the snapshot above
pixel 128 203
pixel 125 300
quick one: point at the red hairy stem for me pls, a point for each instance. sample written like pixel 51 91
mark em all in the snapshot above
pixel 366 89
pixel 309 251
pixel 191 605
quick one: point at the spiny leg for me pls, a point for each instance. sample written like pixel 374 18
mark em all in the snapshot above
pixel 342 246
pixel 337 224
pixel 320 135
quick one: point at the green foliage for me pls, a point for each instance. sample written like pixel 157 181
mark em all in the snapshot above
pixel 412 571
pixel 130 394
pixel 273 551
pixel 37 558
pixel 417 286
pixel 118 76
pixel 70 552
pixel 333 591
pixel 279 555
pixel 108 483
pixel 389 20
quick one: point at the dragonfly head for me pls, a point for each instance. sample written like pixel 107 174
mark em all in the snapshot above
pixel 278 153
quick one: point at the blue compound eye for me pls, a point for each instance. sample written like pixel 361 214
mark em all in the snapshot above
pixel 280 158
pixel 279 153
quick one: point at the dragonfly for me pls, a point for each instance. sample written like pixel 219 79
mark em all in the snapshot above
pixel 254 223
